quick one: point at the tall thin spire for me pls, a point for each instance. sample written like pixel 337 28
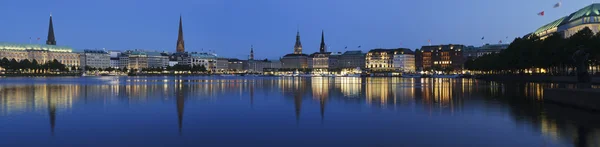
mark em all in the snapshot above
pixel 251 52
pixel 180 44
pixel 298 46
pixel 51 40
pixel 323 49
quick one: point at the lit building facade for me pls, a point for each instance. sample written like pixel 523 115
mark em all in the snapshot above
pixel 381 59
pixel 297 60
pixel 588 16
pixel 95 59
pixel 208 60
pixel 294 61
pixel 440 57
pixel 40 53
pixel 138 60
pixel 404 60
pixel 319 61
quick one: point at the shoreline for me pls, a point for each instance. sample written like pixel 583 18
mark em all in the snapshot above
pixel 535 78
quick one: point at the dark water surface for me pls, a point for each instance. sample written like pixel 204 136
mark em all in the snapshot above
pixel 274 111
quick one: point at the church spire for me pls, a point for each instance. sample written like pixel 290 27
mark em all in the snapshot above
pixel 323 48
pixel 251 52
pixel 180 44
pixel 51 40
pixel 298 46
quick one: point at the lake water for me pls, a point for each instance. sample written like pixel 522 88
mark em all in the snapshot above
pixel 278 111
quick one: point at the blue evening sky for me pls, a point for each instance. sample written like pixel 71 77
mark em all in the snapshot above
pixel 230 26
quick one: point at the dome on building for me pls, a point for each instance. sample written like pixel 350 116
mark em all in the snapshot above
pixel 587 15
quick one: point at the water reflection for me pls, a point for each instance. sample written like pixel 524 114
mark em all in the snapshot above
pixel 432 97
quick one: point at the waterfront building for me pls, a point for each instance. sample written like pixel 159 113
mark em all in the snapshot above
pixel 324 62
pixel 138 60
pixel 404 60
pixel 236 65
pixel 440 58
pixel 333 60
pixel 114 58
pixel 319 61
pixel 381 59
pixel 208 60
pixel 588 16
pixel 222 65
pixel 95 58
pixel 471 52
pixel 41 53
pixel 352 60
pixel 274 64
pixel 256 66
pixel 124 60
pixel 172 63
pixel 157 59
pixel 297 60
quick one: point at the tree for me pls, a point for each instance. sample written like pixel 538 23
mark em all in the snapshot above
pixel 4 62
pixel 35 64
pixel 202 68
pixel 552 53
pixel 25 64
pixel 14 65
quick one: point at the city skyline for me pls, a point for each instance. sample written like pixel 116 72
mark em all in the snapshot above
pixel 99 30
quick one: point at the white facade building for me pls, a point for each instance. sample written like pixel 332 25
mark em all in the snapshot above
pixel 157 59
pixel 208 60
pixel 404 60
pixel 95 59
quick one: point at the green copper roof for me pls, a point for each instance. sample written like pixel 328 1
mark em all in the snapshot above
pixel 551 25
pixel 590 10
pixel 40 47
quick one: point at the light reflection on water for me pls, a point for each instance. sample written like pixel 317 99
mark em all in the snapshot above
pixel 246 104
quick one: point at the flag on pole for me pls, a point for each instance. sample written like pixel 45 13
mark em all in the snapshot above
pixel 541 13
pixel 557 5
